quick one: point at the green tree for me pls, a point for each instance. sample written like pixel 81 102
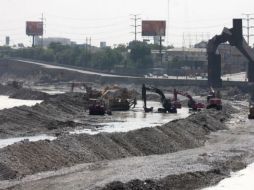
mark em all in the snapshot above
pixel 140 54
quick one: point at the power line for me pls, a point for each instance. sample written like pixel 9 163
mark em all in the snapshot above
pixel 87 19
pixel 82 27
pixel 136 19
pixel 248 27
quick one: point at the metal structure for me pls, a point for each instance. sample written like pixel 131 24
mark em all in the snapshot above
pixel 34 28
pixel 154 28
pixel 135 19
pixel 235 38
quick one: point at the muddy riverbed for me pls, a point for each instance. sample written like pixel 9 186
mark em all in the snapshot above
pixel 129 150
pixel 184 167
pixel 24 158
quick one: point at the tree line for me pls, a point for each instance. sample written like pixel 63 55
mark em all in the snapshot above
pixel 137 55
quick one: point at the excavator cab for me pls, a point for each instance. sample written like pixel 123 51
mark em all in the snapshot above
pixel 167 106
pixel 214 100
pixel 96 107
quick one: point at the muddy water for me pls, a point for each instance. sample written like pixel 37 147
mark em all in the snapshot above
pixel 135 119
pixel 6 102
pixel 239 180
pixel 10 141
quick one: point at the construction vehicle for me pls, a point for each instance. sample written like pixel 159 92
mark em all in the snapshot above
pixel 192 104
pixel 96 107
pixel 168 107
pixel 92 93
pixel 251 111
pixel 214 100
pixel 118 99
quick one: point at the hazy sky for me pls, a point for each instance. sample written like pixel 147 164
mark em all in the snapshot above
pixel 109 20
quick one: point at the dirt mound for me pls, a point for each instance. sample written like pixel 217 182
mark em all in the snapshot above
pixel 57 112
pixel 27 94
pixel 32 157
pixel 186 181
pixel 235 93
pixel 16 91
pixel 6 173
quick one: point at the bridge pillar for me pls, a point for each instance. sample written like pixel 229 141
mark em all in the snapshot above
pixel 214 70
pixel 251 72
pixel 251 81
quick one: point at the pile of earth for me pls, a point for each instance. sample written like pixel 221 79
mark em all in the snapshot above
pixel 183 181
pixel 32 157
pixel 15 90
pixel 186 181
pixel 56 112
pixel 235 93
pixel 220 165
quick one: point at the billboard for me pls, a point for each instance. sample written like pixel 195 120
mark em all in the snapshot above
pixel 153 28
pixel 34 28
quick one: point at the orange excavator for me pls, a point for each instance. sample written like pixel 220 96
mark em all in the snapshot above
pixel 192 104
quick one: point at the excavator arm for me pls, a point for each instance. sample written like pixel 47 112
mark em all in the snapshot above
pixel 235 38
pixel 166 103
pixel 191 103
pixel 227 36
pixel 217 40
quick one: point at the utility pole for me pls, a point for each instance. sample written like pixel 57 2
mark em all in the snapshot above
pixel 90 45
pixel 42 20
pixel 168 22
pixel 136 19
pixel 248 27
pixel 86 46
pixel 183 41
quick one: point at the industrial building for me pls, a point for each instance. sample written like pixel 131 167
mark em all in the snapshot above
pixel 181 61
pixel 46 41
